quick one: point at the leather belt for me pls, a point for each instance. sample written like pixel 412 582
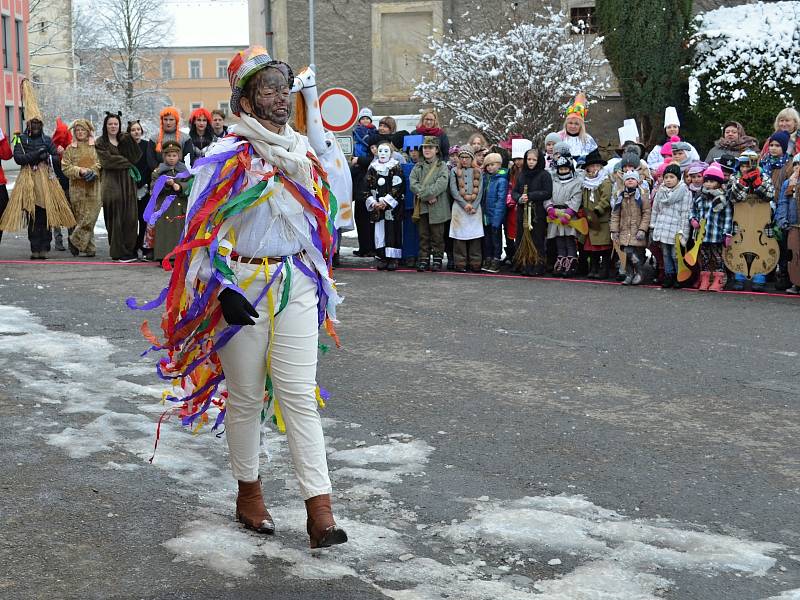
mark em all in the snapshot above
pixel 257 260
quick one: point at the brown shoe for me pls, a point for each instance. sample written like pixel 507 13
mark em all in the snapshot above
pixel 250 509
pixel 322 529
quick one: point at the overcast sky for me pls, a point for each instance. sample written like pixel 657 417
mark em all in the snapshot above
pixel 208 22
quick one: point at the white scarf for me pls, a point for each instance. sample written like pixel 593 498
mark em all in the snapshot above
pixel 383 168
pixel 285 151
pixel 592 183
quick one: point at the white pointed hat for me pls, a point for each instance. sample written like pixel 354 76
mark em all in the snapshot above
pixel 671 117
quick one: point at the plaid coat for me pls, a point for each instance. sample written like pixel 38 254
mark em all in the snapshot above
pixel 739 191
pixel 670 213
pixel 718 213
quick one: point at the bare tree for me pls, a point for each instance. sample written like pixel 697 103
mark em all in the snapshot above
pixel 49 34
pixel 126 28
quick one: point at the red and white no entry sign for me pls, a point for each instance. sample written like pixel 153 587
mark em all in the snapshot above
pixel 339 109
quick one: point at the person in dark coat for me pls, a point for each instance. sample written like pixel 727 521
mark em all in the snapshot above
pixel 118 155
pixel 364 227
pixel 429 126
pixel 539 189
pixel 145 166
pixel 201 135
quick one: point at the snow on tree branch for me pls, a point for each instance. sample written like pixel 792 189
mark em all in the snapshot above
pixel 735 47
pixel 518 81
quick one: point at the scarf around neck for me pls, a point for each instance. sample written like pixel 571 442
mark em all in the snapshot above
pixel 592 183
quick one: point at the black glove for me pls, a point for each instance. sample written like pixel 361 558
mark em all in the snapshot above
pixel 236 309
pixel 43 154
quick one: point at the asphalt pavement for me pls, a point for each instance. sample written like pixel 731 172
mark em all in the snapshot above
pixel 489 437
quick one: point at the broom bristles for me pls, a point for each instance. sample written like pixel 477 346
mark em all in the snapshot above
pixel 526 254
pixel 21 203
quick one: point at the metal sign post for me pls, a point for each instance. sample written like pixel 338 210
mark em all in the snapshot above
pixel 311 60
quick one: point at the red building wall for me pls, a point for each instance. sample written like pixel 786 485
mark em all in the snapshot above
pixel 15 61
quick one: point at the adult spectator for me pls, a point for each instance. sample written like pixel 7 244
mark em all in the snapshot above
pixel 118 153
pixel 169 130
pixel 145 165
pixel 200 135
pixel 218 123
pixel 574 132
pixel 5 154
pixel 788 120
pixel 429 126
pixel 672 128
pixel 733 141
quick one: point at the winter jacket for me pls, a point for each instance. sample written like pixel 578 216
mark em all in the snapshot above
pixel 426 184
pixel 670 213
pixel 494 198
pixel 739 190
pixel 566 194
pixel 5 154
pixel 786 211
pixel 713 206
pixel 631 214
pixel 596 204
pixel 31 151
pixel 409 195
pixel 195 145
pixel 736 147
pixel 146 164
pixel 361 135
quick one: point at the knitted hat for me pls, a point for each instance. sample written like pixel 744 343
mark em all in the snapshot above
pixel 594 158
pixel 171 146
pixel 564 161
pixel 673 169
pixel 782 137
pixel 578 107
pixel 666 149
pixel 432 141
pixel 727 162
pixel 749 157
pixel 493 157
pixel 552 137
pixel 365 112
pixel 660 170
pixel 562 149
pixel 631 175
pixel 697 166
pixel 714 172
pixel 247 63
pixel 465 150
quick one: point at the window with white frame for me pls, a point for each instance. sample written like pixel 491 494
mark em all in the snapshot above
pixel 166 68
pixel 222 68
pixel 225 107
pixel 195 68
pixel 196 105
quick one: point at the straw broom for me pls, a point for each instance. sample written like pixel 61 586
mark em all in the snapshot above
pixel 526 255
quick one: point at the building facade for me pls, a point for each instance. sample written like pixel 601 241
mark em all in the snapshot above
pixel 50 42
pixel 381 56
pixel 14 38
pixel 191 77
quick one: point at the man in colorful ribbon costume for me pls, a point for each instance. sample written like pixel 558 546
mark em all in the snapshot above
pixel 251 285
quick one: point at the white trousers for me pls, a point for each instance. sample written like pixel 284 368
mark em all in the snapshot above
pixel 294 371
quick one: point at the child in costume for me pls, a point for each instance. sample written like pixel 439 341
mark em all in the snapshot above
pixel 466 222
pixel 411 145
pixel 494 210
pixel 786 217
pixel 562 207
pixel 712 205
pixel 574 131
pixel 751 182
pixel 385 205
pixel 630 220
pixel 670 217
pixel 170 225
pixel 534 185
pixel 362 132
pixel 596 204
pixel 82 167
pixel 430 179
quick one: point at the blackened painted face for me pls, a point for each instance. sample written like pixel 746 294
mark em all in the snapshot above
pixel 35 127
pixel 267 97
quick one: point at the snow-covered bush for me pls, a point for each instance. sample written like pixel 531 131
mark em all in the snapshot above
pixel 518 81
pixel 746 64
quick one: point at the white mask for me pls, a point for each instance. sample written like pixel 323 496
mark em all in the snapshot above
pixel 384 154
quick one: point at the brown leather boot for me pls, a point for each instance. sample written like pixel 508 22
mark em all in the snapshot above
pixel 250 509
pixel 322 529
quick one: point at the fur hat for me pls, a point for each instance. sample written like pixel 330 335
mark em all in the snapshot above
pixel 782 137
pixel 630 175
pixel 552 137
pixel 673 169
pixel 630 159
pixel 171 146
pixel 562 149
pixel 714 172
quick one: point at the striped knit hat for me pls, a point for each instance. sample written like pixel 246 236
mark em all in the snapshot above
pixel 247 63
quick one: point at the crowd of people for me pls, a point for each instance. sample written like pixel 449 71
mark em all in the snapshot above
pixel 116 171
pixel 419 202
pixel 662 215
